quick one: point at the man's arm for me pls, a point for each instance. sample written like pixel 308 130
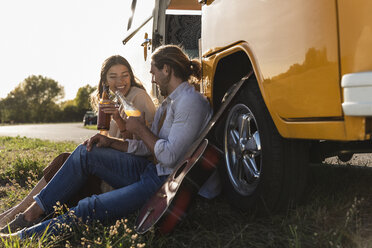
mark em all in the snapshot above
pixel 186 125
pixel 137 126
pixel 103 141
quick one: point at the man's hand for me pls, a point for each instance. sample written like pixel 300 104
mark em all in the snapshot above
pixel 136 125
pixel 98 139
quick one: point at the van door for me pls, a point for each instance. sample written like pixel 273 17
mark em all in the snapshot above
pixel 138 40
pixel 156 23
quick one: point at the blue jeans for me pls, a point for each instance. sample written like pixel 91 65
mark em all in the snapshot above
pixel 134 178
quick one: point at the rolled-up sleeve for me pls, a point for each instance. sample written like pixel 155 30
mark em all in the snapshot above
pixel 137 147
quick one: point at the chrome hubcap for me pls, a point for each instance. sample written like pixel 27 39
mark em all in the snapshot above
pixel 242 147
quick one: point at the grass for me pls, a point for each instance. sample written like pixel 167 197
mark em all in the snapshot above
pixel 91 127
pixel 335 212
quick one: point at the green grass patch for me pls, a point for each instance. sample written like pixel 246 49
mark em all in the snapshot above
pixel 335 211
pixel 91 127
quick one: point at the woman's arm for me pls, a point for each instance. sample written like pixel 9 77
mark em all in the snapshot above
pixel 118 125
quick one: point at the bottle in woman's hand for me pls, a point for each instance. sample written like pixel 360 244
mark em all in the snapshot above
pixel 104 119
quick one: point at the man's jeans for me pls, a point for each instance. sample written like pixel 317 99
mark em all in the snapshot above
pixel 134 178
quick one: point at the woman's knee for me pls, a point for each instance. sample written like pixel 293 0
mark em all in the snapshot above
pixel 79 153
pixel 54 166
pixel 81 149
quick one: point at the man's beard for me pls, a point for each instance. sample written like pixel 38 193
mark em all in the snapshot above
pixel 164 87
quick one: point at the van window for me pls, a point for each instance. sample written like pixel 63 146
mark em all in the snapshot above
pixel 184 28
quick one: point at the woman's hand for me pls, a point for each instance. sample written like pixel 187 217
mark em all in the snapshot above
pixel 110 107
pixel 98 139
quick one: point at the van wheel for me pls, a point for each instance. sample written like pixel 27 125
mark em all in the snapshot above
pixel 263 170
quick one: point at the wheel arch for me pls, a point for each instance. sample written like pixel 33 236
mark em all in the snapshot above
pixel 228 66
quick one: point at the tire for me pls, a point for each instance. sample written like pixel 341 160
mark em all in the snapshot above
pixel 263 171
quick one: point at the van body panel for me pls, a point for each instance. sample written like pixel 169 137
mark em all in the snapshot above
pixel 295 57
pixel 297 51
pixel 343 129
pixel 355 21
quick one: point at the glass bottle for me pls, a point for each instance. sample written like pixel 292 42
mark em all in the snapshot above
pixel 103 123
pixel 128 107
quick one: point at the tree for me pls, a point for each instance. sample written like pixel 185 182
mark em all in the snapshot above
pixel 74 110
pixel 33 100
pixel 1 110
pixel 71 113
pixel 82 98
pixel 14 107
pixel 42 94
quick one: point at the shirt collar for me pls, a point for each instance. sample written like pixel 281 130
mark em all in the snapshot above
pixel 176 92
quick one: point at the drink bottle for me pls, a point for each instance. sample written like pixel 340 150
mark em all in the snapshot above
pixel 128 107
pixel 103 123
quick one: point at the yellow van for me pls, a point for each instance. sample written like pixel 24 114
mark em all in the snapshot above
pixel 310 96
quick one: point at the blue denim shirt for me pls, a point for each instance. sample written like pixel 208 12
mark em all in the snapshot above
pixel 188 112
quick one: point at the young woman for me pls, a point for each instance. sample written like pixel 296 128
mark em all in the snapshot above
pixel 116 74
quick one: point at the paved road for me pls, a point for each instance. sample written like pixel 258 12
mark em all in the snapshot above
pixel 55 132
pixel 77 133
pixel 361 159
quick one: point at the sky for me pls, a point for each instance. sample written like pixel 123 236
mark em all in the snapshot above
pixel 65 40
